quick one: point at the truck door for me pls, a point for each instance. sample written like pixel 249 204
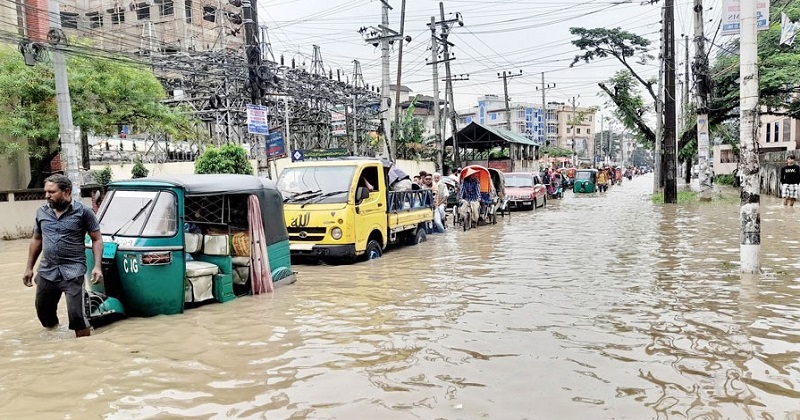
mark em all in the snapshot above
pixel 371 211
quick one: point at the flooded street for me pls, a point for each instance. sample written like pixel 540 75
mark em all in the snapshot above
pixel 597 307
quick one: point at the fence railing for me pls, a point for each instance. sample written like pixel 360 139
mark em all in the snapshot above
pixel 37 194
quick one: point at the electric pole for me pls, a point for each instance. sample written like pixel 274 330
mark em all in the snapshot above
pixel 658 156
pixel 397 117
pixel 449 83
pixel 505 76
pixel 544 88
pixel 702 92
pixel 69 140
pixel 383 35
pixel 253 54
pixel 437 122
pixel 572 126
pixel 749 165
pixel 670 183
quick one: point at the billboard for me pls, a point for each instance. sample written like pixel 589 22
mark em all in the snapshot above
pixel 730 16
pixel 276 148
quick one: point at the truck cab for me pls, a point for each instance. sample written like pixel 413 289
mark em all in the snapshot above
pixel 342 210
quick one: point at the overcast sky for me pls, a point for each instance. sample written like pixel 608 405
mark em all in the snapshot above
pixel 512 35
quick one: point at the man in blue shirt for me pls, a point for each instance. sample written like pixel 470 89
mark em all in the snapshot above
pixel 471 196
pixel 58 235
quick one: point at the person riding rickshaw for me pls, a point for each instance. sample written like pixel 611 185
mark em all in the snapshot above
pixel 476 195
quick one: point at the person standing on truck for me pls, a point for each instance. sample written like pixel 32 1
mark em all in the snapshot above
pixel 790 178
pixel 59 232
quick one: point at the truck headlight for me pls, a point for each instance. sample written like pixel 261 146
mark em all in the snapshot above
pixel 336 233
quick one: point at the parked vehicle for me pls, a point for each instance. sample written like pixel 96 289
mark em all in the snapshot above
pixel 341 210
pixel 585 181
pixel 556 188
pixel 569 174
pixel 187 239
pixel 525 191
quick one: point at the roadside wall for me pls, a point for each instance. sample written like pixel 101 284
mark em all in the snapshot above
pixel 771 164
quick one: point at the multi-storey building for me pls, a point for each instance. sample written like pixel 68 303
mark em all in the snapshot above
pixel 155 25
pixel 575 129
pixel 526 119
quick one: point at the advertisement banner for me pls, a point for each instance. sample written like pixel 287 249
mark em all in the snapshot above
pixel 730 16
pixel 275 145
pixel 257 120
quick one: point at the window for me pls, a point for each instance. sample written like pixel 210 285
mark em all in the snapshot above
pixel 578 130
pixel 188 9
pixel 95 20
pixel 769 126
pixel 494 116
pixel 165 7
pixel 143 11
pixel 210 13
pixel 777 131
pixel 69 20
pixel 117 16
pixel 569 129
pixel 589 130
pixel 787 127
pixel 316 184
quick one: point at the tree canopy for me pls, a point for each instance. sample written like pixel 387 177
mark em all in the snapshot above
pixel 105 93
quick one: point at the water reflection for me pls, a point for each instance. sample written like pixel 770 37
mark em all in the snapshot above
pixel 602 306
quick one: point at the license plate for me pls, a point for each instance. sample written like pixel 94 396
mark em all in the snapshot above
pixel 109 250
pixel 527 203
pixel 301 247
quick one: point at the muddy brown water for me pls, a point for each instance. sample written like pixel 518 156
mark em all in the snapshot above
pixel 598 307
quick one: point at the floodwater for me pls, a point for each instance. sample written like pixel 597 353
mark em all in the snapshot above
pixel 598 307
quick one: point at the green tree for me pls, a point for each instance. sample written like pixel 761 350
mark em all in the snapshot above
pixel 139 170
pixel 555 152
pixel 228 159
pixel 105 94
pixel 411 142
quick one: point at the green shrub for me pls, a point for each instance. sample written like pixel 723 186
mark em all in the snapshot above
pixel 724 179
pixel 103 176
pixel 228 159
pixel 138 170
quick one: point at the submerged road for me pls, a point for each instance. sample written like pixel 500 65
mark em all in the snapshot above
pixel 598 307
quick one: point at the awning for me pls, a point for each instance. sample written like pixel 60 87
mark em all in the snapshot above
pixel 481 137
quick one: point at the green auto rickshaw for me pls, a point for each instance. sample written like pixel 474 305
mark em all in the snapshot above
pixel 585 181
pixel 181 241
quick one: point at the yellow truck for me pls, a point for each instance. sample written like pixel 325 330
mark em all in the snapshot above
pixel 342 209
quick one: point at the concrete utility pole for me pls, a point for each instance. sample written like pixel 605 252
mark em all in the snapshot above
pixel 385 100
pixel 69 139
pixel 749 165
pixel 572 126
pixel 505 76
pixel 449 83
pixel 437 122
pixel 702 92
pixel 658 160
pixel 383 35
pixel 397 117
pixel 670 183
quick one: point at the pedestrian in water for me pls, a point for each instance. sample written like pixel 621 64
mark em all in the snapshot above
pixel 58 235
pixel 790 178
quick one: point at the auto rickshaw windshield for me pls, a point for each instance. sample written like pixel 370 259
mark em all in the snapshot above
pixel 139 213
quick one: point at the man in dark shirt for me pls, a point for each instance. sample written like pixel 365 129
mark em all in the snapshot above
pixel 59 235
pixel 790 178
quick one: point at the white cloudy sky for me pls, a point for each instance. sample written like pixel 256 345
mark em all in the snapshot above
pixel 528 35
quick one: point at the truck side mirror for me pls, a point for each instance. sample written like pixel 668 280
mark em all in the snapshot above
pixel 362 193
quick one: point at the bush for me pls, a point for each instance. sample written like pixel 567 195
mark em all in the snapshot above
pixel 138 170
pixel 724 179
pixel 103 176
pixel 228 159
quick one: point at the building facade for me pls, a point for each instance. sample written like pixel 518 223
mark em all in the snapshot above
pixel 166 26
pixel 575 129
pixel 526 119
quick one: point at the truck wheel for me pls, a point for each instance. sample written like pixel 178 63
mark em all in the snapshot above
pixel 420 237
pixel 373 250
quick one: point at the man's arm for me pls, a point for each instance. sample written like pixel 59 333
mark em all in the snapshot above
pixel 34 250
pixel 97 251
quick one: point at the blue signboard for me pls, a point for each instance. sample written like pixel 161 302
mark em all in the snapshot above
pixel 275 146
pixel 297 156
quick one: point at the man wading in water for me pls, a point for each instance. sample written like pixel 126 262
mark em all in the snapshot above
pixel 790 180
pixel 59 232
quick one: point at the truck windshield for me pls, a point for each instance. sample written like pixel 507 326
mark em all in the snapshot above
pixel 519 181
pixel 304 183
pixel 139 213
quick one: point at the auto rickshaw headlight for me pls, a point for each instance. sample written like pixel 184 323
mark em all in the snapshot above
pixel 336 233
